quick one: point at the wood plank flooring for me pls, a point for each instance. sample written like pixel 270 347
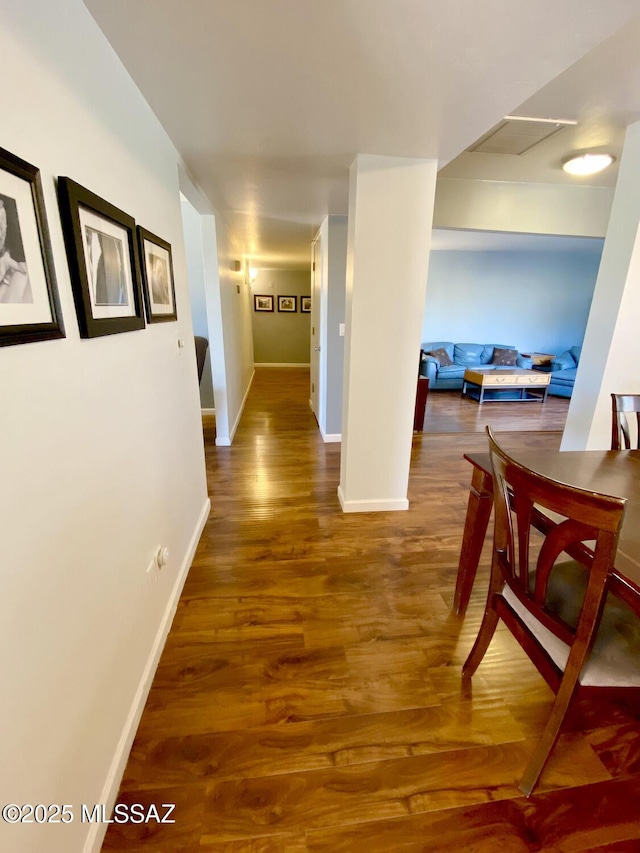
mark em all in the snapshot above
pixel 309 699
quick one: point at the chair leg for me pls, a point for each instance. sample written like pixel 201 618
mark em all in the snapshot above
pixel 485 635
pixel 549 736
pixel 489 623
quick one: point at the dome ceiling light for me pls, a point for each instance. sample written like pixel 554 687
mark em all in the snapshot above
pixel 587 164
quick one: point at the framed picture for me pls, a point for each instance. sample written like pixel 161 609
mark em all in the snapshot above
pixel 262 303
pixel 157 277
pixel 305 304
pixel 288 303
pixel 29 307
pixel 103 262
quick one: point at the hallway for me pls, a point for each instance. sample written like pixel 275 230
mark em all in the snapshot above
pixel 308 697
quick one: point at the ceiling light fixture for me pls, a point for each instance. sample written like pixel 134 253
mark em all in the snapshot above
pixel 587 164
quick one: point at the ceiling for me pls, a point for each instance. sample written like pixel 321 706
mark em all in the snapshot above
pixel 268 103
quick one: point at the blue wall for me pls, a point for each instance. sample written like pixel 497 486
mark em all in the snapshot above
pixel 533 300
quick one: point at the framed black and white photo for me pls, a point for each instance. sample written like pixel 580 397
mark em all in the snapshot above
pixel 288 304
pixel 262 303
pixel 103 262
pixel 305 304
pixel 157 277
pixel 29 307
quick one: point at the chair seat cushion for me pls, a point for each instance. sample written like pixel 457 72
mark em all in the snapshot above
pixel 615 657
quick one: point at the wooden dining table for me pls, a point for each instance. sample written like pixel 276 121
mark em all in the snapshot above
pixel 611 472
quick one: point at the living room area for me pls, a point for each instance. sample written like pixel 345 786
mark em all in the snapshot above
pixel 522 303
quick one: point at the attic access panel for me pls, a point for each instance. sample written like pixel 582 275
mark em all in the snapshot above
pixel 515 137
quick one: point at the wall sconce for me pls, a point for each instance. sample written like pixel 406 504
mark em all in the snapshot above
pixel 253 275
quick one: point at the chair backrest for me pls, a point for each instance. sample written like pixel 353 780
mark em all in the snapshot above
pixel 519 494
pixel 623 406
pixel 202 344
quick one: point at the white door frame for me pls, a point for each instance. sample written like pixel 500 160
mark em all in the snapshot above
pixel 315 355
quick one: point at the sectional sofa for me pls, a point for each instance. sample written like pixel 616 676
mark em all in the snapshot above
pixel 462 356
pixel 563 371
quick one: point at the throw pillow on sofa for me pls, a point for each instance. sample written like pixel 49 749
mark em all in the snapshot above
pixel 442 356
pixel 505 357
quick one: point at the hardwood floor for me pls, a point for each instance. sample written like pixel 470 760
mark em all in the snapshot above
pixel 448 411
pixel 309 700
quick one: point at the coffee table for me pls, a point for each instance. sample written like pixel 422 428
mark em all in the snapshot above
pixel 511 384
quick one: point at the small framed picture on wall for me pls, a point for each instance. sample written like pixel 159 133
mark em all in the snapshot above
pixel 29 307
pixel 103 262
pixel 262 302
pixel 288 304
pixel 157 277
pixel 305 304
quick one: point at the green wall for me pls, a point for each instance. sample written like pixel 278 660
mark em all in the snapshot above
pixel 281 338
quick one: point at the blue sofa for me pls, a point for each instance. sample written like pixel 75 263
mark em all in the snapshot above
pixel 462 356
pixel 563 371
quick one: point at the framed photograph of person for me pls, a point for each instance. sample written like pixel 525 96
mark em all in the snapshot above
pixel 262 303
pixel 29 306
pixel 288 304
pixel 305 304
pixel 103 262
pixel 157 277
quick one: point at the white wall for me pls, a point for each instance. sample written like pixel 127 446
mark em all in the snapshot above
pixel 533 300
pixel 233 324
pixel 226 300
pixel 609 359
pixel 388 242
pixel 333 237
pixel 101 457
pixel 192 229
pixel 525 208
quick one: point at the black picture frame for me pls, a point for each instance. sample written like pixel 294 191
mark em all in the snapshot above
pixel 157 277
pixel 29 302
pixel 305 304
pixel 288 304
pixel 102 252
pixel 263 302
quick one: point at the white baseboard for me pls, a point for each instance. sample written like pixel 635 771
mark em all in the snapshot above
pixel 394 505
pixel 225 441
pixel 97 831
pixel 281 364
pixel 207 411
pixel 330 437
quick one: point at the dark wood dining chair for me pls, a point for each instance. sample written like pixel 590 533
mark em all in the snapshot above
pixel 623 406
pixel 578 636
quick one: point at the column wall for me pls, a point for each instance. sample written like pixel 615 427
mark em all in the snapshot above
pixel 389 235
